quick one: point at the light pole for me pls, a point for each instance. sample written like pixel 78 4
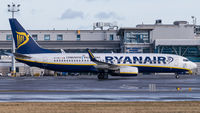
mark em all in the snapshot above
pixel 13 8
pixel 194 20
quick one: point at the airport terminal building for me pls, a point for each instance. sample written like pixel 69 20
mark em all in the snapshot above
pixel 179 38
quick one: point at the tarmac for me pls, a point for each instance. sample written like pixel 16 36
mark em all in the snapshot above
pixel 90 89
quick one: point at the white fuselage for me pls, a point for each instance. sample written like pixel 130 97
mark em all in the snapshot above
pixel 79 61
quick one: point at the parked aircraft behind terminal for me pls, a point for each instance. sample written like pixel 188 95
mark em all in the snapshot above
pixel 115 64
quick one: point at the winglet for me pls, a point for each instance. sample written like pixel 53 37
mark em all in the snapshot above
pixel 92 58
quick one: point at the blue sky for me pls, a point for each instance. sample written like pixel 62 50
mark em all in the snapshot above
pixel 81 14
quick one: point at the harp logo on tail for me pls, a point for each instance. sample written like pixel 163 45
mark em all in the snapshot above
pixel 22 39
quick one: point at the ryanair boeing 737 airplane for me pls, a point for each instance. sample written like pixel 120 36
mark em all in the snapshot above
pixel 115 64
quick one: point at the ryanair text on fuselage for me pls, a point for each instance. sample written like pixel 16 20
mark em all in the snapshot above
pixel 139 59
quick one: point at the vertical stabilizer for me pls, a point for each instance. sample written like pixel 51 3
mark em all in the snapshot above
pixel 23 41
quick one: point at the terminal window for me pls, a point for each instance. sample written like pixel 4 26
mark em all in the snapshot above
pixel 35 37
pixel 111 37
pixel 17 69
pixel 46 37
pixel 137 37
pixel 78 37
pixel 59 37
pixel 197 29
pixel 9 37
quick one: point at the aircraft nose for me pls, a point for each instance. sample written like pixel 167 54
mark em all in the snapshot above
pixel 194 66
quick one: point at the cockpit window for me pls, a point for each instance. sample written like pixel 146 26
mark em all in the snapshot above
pixel 185 60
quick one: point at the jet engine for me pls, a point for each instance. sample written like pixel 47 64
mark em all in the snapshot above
pixel 126 71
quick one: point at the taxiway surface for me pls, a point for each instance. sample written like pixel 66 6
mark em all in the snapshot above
pixel 90 89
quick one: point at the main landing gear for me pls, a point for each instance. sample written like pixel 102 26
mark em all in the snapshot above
pixel 103 76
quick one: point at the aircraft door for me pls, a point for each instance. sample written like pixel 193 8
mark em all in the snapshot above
pixel 176 63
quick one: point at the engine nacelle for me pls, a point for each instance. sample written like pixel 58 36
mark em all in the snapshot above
pixel 126 71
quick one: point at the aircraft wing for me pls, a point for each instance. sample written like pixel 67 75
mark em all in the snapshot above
pixel 100 64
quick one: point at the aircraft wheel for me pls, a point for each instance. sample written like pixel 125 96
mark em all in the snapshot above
pixel 100 76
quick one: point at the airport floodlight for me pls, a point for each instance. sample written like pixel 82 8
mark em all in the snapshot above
pixel 194 20
pixel 13 8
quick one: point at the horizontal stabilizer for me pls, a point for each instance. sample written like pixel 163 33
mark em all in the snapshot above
pixel 21 55
pixel 8 54
pixel 18 55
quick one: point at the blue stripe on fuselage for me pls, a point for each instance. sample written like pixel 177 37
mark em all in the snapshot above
pixel 91 68
pixel 61 68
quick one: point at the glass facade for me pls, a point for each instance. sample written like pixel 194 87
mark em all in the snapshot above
pixel 3 51
pixel 59 37
pixel 137 50
pixel 137 36
pixel 135 40
pixel 197 29
pixel 46 37
pixel 191 52
pixel 179 50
